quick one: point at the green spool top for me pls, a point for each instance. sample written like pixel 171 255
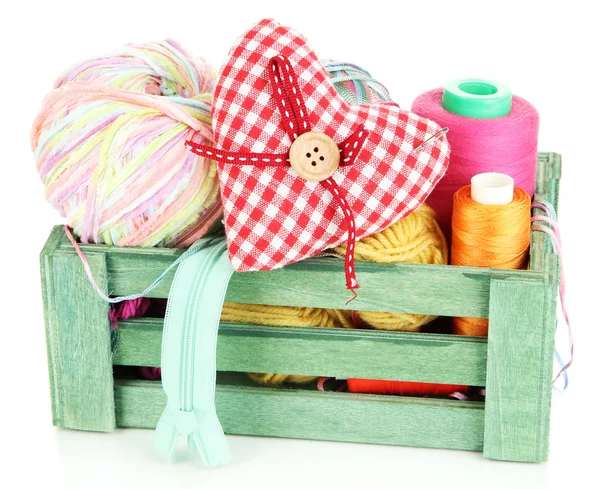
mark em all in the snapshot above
pixel 480 99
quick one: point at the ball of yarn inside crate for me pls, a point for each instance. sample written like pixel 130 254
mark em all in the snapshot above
pixel 417 238
pixel 109 143
pixel 278 315
pixel 356 84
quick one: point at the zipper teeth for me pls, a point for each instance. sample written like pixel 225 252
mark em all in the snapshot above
pixel 189 339
pixel 213 381
pixel 198 245
pixel 213 373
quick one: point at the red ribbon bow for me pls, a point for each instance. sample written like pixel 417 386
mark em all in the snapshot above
pixel 295 121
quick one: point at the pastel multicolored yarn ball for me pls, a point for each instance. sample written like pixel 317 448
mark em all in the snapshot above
pixel 109 143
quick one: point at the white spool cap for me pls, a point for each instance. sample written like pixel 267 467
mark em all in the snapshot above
pixel 492 188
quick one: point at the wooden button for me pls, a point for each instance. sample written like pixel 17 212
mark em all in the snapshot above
pixel 314 156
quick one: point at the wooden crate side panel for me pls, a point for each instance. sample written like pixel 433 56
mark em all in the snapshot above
pixel 52 343
pixel 323 352
pixel 292 413
pixel 547 188
pixel 78 341
pixel 519 370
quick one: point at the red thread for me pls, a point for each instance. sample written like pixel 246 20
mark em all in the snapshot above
pixel 398 387
pixel 355 295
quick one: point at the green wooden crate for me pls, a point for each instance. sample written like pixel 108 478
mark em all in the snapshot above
pixel 514 363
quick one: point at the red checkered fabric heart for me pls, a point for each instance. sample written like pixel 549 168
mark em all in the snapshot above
pixel 273 216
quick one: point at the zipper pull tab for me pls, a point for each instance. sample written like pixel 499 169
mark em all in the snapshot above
pixel 202 431
pixel 166 434
pixel 173 424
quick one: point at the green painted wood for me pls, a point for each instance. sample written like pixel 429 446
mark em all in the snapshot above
pixel 547 188
pixel 50 247
pixel 519 355
pixel 439 290
pixel 297 413
pixel 344 353
pixel 78 341
pixel 519 371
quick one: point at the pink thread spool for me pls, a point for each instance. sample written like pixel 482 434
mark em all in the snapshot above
pixel 490 130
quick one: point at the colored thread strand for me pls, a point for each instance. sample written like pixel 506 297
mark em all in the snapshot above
pixel 553 232
pixel 494 236
pixel 109 145
pixel 113 300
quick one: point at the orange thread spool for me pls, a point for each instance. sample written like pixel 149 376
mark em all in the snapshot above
pixel 402 388
pixel 488 235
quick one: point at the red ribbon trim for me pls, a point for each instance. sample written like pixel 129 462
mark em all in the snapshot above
pixel 336 191
pixel 286 93
pixel 349 149
pixel 296 121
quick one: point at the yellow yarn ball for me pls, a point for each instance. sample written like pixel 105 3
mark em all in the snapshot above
pixel 415 239
pixel 278 315
pixel 278 379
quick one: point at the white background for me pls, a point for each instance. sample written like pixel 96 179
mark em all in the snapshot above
pixel 546 51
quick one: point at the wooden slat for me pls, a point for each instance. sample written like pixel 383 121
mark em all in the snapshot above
pixel 424 289
pixel 547 188
pixel 46 275
pixel 439 290
pixel 338 353
pixel 296 413
pixel 519 371
pixel 78 341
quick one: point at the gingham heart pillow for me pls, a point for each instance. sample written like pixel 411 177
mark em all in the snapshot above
pixel 274 109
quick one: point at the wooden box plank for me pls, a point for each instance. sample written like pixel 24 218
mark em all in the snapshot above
pixel 344 353
pixel 440 290
pixel 396 287
pixel 297 413
pixel 519 371
pixel 78 339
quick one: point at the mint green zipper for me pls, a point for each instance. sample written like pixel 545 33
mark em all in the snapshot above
pixel 189 346
pixel 189 354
